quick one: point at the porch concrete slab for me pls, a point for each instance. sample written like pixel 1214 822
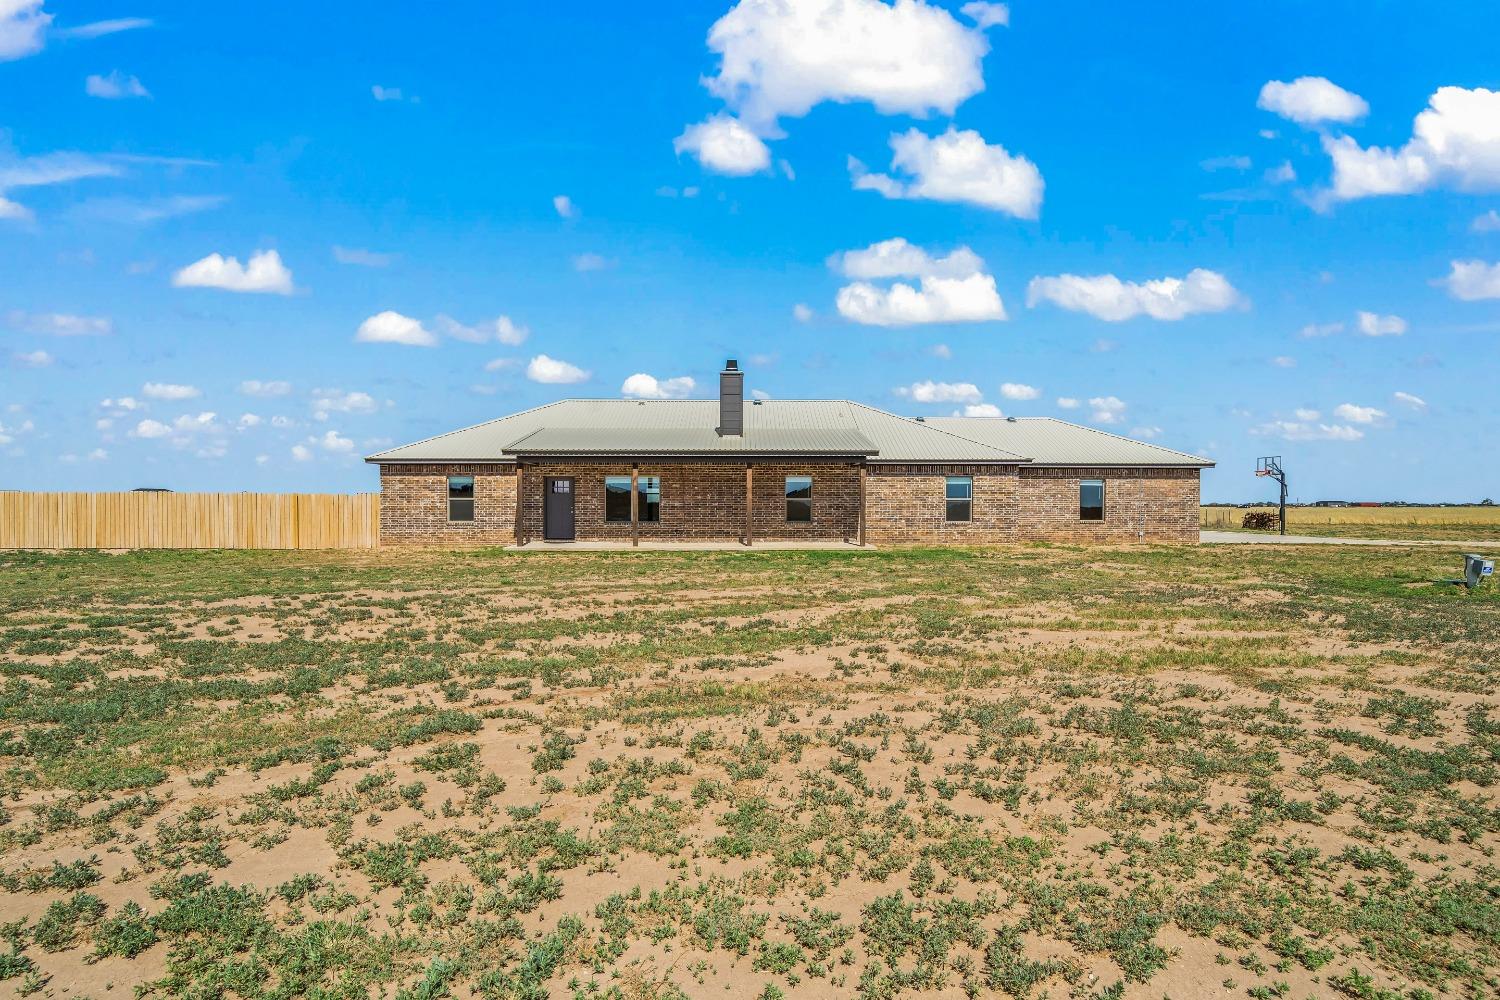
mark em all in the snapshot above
pixel 687 546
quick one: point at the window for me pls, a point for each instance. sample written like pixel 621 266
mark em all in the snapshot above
pixel 960 496
pixel 799 498
pixel 648 506
pixel 1091 500
pixel 617 498
pixel 460 498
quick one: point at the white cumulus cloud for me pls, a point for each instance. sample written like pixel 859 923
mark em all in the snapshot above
pixel 1297 430
pixel 938 300
pixel 1108 298
pixel 264 273
pixel 1019 390
pixel 33 359
pixel 1107 409
pixel 149 428
pixel 501 330
pixel 1374 325
pixel 1472 280
pixel 170 390
pixel 328 401
pixel 1067 403
pixel 551 371
pixel 1454 142
pixel 335 442
pixel 979 410
pixel 1407 399
pixel 1489 222
pixel 23 28
pixel 1311 100
pixel 724 145
pixel 1358 414
pixel 643 386
pixel 114 87
pixel 780 59
pixel 957 166
pixel 390 327
pixel 986 15
pixel 951 289
pixel 564 206
pixel 940 392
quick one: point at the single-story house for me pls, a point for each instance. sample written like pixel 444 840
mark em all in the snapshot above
pixel 751 470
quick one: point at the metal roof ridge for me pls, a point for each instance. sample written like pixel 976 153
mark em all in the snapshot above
pixel 482 423
pixel 938 430
pixel 1122 437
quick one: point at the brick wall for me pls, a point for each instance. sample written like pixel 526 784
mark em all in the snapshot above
pixel 701 501
pixel 908 503
pixel 414 505
pixel 1154 505
pixel 705 501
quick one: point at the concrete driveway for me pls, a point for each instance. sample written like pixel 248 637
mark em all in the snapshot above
pixel 1247 538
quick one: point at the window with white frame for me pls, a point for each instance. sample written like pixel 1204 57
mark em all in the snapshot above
pixel 460 498
pixel 959 494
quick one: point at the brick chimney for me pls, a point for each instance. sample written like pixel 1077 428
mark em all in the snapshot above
pixel 731 400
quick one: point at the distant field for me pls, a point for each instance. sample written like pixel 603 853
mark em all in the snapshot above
pixel 1027 772
pixel 1475 522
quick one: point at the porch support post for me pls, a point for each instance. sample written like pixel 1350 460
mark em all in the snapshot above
pixel 863 467
pixel 520 504
pixel 635 500
pixel 749 502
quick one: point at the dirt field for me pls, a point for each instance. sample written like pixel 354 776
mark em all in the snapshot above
pixel 1033 771
pixel 1472 523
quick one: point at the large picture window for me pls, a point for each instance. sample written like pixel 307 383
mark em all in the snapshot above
pixel 799 498
pixel 460 498
pixel 959 493
pixel 617 498
pixel 1091 500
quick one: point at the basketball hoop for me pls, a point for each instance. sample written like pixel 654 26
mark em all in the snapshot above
pixel 1270 466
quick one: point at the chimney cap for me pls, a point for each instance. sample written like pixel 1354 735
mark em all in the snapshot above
pixel 731 365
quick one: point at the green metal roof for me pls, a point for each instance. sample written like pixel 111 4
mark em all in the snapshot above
pixel 1056 442
pixel 686 427
pixel 800 427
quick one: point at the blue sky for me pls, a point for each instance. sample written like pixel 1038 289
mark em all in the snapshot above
pixel 242 247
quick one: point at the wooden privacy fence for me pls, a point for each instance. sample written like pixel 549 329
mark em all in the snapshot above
pixel 189 520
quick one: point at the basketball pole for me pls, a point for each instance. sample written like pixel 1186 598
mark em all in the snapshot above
pixel 1271 466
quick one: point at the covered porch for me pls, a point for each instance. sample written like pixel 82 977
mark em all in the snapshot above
pixel 781 501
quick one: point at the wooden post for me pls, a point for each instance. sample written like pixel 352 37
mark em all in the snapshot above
pixel 520 505
pixel 749 504
pixel 635 500
pixel 862 468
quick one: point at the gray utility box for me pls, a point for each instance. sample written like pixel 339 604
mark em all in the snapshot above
pixel 1476 568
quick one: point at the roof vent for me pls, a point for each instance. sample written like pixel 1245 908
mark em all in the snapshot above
pixel 1010 420
pixel 920 420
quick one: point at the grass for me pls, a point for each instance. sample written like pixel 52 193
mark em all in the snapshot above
pixel 1027 771
pixel 1457 523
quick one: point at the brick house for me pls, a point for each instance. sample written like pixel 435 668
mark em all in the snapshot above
pixel 731 469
